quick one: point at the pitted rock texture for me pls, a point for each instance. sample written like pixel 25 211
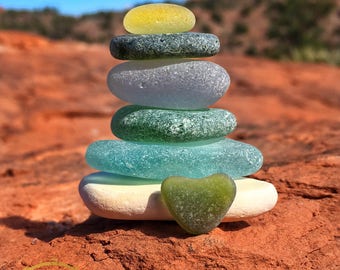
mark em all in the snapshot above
pixel 54 102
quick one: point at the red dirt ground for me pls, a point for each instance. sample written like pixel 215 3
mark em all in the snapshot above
pixel 54 102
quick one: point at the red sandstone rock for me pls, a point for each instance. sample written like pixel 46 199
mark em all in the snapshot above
pixel 22 41
pixel 54 102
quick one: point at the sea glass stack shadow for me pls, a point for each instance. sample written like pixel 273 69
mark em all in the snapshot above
pixel 169 128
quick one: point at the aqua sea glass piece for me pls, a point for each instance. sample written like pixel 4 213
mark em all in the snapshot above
pixel 161 160
pixel 180 45
pixel 169 83
pixel 139 123
pixel 198 205
pixel 116 179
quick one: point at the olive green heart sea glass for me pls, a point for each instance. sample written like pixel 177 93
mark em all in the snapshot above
pixel 198 205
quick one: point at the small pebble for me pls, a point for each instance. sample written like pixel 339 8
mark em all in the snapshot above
pixel 159 19
pixel 169 83
pixel 139 123
pixel 182 45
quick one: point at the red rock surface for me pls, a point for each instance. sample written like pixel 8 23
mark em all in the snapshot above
pixel 54 102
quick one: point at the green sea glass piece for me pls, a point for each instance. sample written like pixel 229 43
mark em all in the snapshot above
pixel 161 160
pixel 198 205
pixel 139 123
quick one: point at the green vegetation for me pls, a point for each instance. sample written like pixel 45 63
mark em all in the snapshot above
pixel 309 54
pixel 212 5
pixel 240 28
pixel 205 28
pixel 299 30
pixel 216 17
pixel 246 11
pixel 48 22
pixel 251 50
pixel 295 27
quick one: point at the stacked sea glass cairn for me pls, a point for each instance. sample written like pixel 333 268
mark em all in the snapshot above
pixel 173 160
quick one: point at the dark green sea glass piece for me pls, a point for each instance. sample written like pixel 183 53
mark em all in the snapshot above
pixel 145 124
pixel 155 46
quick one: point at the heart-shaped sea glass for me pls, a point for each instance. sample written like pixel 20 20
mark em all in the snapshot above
pixel 198 205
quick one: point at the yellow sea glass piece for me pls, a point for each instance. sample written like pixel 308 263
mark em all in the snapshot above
pixel 159 19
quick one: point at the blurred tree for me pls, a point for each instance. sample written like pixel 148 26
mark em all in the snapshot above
pixel 62 27
pixel 296 24
pixel 217 17
pixel 240 28
pixel 212 5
